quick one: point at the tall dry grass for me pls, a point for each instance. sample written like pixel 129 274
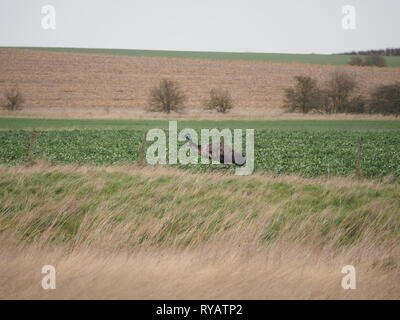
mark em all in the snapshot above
pixel 215 271
pixel 143 233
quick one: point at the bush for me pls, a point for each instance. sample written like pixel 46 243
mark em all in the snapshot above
pixel 166 97
pixel 339 89
pixel 304 97
pixel 371 60
pixel 220 100
pixel 337 97
pixel 386 99
pixel 357 105
pixel 375 60
pixel 356 61
pixel 14 100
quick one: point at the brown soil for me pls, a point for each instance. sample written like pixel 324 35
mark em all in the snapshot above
pixel 60 84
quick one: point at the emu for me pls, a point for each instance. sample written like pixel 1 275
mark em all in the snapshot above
pixel 207 152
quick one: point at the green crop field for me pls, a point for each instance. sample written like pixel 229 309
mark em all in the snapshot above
pixel 308 148
pixel 325 59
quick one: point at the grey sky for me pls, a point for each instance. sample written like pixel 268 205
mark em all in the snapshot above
pixel 285 26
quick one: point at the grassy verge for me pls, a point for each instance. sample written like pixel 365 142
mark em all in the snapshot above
pixel 172 209
pixel 217 271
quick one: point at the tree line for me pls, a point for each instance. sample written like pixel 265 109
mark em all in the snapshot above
pixel 380 52
pixel 338 95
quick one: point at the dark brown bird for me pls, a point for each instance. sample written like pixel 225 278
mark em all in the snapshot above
pixel 221 149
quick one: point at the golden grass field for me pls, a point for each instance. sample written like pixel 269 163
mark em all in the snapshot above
pixel 128 232
pixel 214 271
pixel 77 85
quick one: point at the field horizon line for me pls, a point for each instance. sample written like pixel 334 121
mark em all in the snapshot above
pixel 334 59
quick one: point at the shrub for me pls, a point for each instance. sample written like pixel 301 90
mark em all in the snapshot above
pixel 357 105
pixel 339 89
pixel 166 97
pixel 220 100
pixel 371 60
pixel 14 100
pixel 338 97
pixel 305 96
pixel 375 60
pixel 386 99
pixel 356 61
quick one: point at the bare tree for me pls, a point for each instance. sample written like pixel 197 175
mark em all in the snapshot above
pixel 356 61
pixel 339 89
pixel 305 96
pixel 14 99
pixel 371 60
pixel 375 60
pixel 386 99
pixel 219 100
pixel 166 97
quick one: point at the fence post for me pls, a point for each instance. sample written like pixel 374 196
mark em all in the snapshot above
pixel 359 158
pixel 142 151
pixel 32 147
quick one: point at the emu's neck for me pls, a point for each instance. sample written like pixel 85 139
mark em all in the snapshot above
pixel 194 145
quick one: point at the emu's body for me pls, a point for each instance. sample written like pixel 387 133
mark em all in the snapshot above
pixel 221 150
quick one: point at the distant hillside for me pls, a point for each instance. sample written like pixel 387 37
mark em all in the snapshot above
pixel 388 52
pixel 75 80
pixel 323 59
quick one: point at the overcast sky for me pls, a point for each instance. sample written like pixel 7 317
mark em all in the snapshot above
pixel 284 26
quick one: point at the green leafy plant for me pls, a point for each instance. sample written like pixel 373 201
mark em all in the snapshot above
pixel 283 151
